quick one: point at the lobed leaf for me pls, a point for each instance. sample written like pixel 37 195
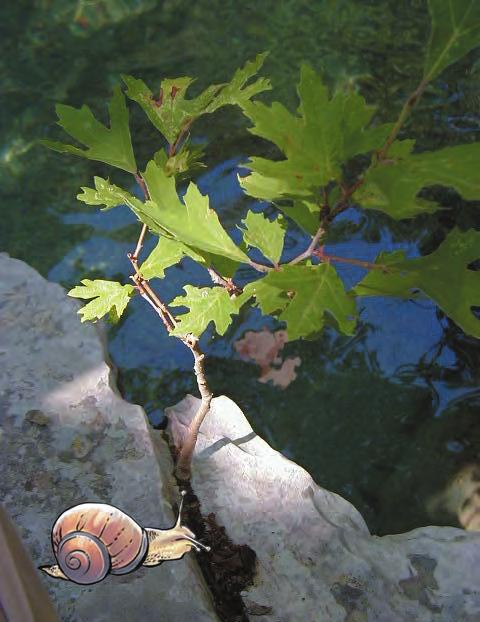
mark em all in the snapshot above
pixel 110 298
pixel 191 222
pixel 166 253
pixel 455 31
pixel 305 214
pixel 304 294
pixel 219 251
pixel 111 145
pixel 444 276
pixel 266 235
pixel 171 113
pixel 392 186
pixel 327 132
pixel 206 304
pixel 111 195
pixel 238 92
pixel 186 160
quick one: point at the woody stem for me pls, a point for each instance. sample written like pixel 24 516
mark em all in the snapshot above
pixel 184 460
pixel 183 466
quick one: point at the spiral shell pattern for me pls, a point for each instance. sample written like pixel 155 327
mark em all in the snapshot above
pixel 92 539
pixel 83 558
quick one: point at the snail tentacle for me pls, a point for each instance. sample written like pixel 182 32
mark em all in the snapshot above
pixel 91 540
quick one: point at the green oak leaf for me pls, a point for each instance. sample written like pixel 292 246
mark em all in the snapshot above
pixel 266 235
pixel 111 195
pixel 223 265
pixel 191 222
pixel 455 31
pixel 316 142
pixel 392 185
pixel 304 294
pixel 166 253
pixel 111 145
pixel 304 213
pixel 238 92
pixel 186 160
pixel 110 298
pixel 443 276
pixel 171 113
pixel 269 297
pixel 107 194
pixel 206 304
pixel 261 186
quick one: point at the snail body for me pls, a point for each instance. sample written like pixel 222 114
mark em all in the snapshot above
pixel 92 540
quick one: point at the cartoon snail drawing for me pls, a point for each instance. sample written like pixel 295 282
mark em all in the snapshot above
pixel 92 540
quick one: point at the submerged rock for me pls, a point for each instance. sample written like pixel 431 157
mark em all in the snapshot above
pixel 67 437
pixel 316 559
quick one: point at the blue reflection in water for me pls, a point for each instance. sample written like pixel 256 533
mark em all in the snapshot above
pixel 393 336
pixel 401 332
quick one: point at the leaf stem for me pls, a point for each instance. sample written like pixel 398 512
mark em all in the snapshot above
pixel 145 296
pixel 172 149
pixel 147 292
pixel 408 106
pixel 356 262
pixel 260 267
pixel 139 246
pixel 311 247
pixel 225 282
pixel 381 154
pixel 141 182
pixel 142 284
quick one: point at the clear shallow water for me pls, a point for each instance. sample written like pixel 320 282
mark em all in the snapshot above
pixel 383 418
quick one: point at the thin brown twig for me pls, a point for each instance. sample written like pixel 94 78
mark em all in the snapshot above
pixel 142 284
pixel 146 297
pixel 408 106
pixel 140 281
pixel 311 247
pixel 356 262
pixel 225 282
pixel 260 267
pixel 344 202
pixel 141 182
pixel 139 245
pixel 145 286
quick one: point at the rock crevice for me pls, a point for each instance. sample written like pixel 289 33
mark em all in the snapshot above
pixel 316 557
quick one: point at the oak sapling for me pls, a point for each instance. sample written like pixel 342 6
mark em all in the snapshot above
pixel 309 190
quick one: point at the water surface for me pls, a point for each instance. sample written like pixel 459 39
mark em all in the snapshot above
pixel 383 418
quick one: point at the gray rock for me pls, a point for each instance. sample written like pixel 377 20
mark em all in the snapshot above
pixel 66 437
pixel 316 558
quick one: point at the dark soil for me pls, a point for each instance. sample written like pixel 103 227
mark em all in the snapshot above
pixel 228 568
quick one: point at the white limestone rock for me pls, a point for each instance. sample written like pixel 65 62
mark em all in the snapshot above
pixel 67 437
pixel 316 558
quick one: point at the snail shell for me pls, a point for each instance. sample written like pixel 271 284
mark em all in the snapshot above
pixel 91 540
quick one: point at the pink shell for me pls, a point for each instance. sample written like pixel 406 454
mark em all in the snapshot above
pixel 92 539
